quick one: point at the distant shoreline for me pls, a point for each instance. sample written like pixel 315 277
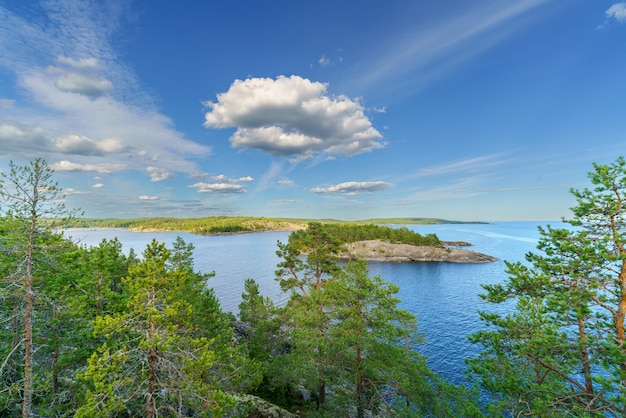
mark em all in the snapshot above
pixel 224 225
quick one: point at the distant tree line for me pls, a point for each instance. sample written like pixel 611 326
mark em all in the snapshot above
pixel 201 226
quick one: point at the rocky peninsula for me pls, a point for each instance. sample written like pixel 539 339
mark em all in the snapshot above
pixel 381 251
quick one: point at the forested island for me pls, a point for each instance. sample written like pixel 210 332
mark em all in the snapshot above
pixel 94 332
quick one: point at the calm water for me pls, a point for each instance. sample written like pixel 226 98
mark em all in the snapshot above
pixel 444 296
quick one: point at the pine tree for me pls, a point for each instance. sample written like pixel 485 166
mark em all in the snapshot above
pixel 33 210
pixel 153 363
pixel 303 277
pixel 563 350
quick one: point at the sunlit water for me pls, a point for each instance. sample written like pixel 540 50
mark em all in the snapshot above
pixel 444 296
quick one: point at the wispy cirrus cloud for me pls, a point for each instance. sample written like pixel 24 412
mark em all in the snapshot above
pixel 411 60
pixel 466 166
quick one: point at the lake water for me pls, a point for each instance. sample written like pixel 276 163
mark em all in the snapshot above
pixel 443 296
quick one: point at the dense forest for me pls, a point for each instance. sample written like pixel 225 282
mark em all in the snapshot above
pixel 96 332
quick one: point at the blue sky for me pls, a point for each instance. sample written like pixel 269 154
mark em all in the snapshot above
pixel 482 110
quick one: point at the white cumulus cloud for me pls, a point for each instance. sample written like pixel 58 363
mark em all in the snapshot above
pixel 354 187
pixel 145 197
pixel 292 117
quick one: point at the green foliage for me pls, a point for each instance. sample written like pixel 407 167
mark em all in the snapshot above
pixel 562 352
pixel 321 249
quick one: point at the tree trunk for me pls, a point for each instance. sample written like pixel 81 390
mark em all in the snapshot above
pixel 621 309
pixel 152 378
pixel 27 403
pixel 619 319
pixel 321 393
pixel 584 354
pixel 28 348
pixel 359 384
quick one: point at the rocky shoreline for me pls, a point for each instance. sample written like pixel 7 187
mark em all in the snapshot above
pixel 380 251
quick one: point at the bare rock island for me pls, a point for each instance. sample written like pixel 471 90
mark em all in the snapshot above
pixel 377 250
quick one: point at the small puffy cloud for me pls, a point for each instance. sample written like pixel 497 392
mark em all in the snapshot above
pixel 158 174
pixel 285 182
pixel 222 184
pixel 80 76
pixel 144 197
pixel 79 144
pixel 354 187
pixel 221 178
pixel 324 61
pixel 15 136
pixel 225 188
pixel 617 11
pixel 87 85
pixel 71 191
pixel 292 117
pixel 97 186
pixel 100 168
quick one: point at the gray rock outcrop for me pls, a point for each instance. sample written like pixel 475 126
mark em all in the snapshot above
pixel 377 250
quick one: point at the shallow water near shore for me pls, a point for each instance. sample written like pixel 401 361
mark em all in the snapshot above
pixel 443 296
